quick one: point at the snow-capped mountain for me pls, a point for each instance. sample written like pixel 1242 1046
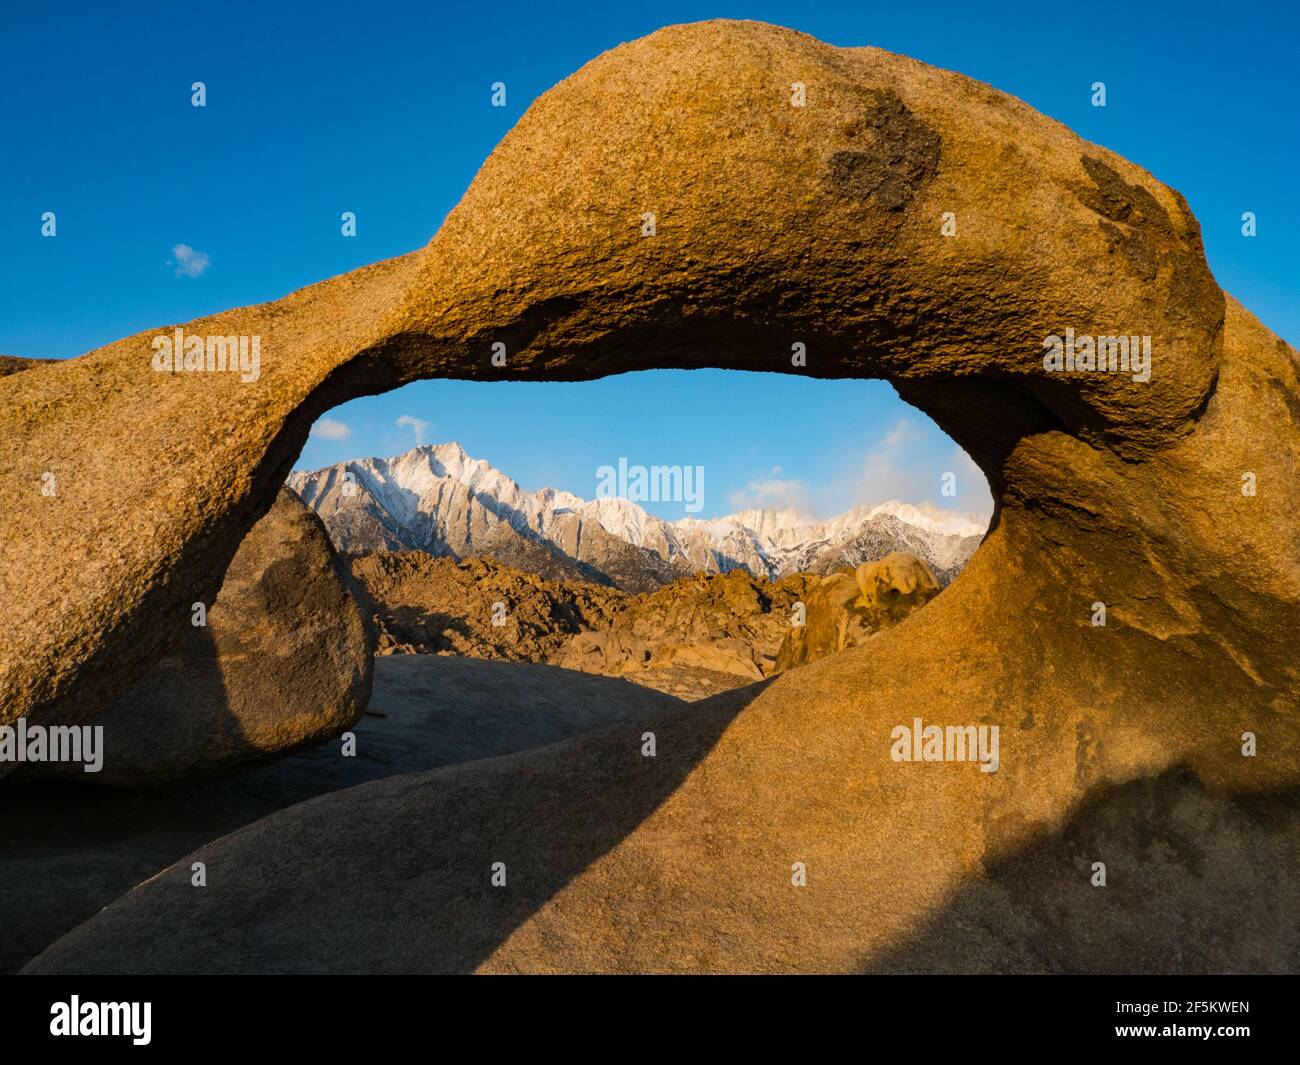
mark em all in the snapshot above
pixel 436 498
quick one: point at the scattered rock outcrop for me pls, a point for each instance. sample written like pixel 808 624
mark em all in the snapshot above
pixel 819 223
pixel 842 610
pixel 694 637
pixel 478 607
pixel 284 660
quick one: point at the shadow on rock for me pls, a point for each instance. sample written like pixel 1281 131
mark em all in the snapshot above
pixel 353 847
pixel 1195 882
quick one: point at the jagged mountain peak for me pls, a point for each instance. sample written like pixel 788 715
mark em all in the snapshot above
pixel 438 498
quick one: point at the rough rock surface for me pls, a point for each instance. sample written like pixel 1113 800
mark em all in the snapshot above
pixel 1178 858
pixel 775 224
pixel 86 846
pixel 16 364
pixel 842 611
pixel 428 605
pixel 729 626
pixel 285 660
pixel 693 638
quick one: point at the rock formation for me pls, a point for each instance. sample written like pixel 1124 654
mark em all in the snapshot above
pixel 893 587
pixel 841 611
pixel 1171 502
pixel 284 660
pixel 833 623
pixel 477 607
pixel 697 636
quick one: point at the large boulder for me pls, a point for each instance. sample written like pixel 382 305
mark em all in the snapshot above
pixel 842 611
pixel 1169 500
pixel 893 586
pixel 833 621
pixel 284 661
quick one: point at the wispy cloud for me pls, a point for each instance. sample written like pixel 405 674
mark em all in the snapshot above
pixel 972 486
pixel 910 464
pixel 188 262
pixel 418 426
pixel 330 429
pixel 887 470
pixel 773 492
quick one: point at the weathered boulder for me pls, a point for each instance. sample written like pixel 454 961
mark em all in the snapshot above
pixel 843 611
pixel 728 624
pixel 833 621
pixel 1170 501
pixel 893 586
pixel 284 661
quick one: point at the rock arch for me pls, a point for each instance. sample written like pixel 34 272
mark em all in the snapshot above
pixel 774 225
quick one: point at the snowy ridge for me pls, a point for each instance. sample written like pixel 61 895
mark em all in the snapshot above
pixel 437 498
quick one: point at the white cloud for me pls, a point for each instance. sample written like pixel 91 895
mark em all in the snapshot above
pixel 330 429
pixel 885 473
pixel 188 262
pixel 417 425
pixel 773 493
pixel 908 465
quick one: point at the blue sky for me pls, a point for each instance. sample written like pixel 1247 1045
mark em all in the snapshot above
pixel 384 110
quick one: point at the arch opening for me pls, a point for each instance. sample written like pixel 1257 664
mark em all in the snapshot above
pixel 694 530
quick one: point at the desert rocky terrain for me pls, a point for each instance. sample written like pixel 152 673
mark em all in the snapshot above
pixel 692 638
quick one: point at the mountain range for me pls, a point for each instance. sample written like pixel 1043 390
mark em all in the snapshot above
pixel 438 499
